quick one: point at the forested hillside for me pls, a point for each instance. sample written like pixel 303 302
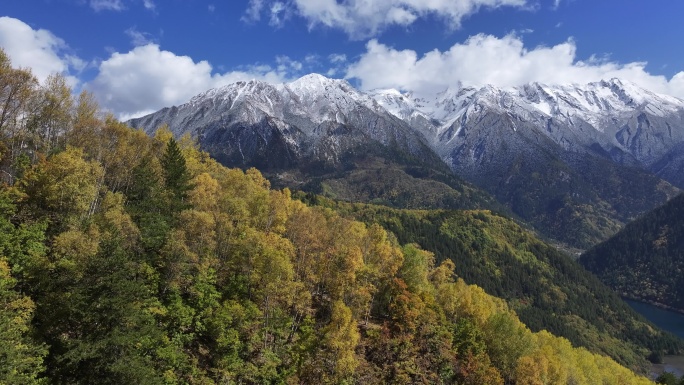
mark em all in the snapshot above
pixel 126 259
pixel 547 289
pixel 645 260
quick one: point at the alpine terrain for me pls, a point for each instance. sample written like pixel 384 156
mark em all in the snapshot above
pixel 575 161
pixel 323 135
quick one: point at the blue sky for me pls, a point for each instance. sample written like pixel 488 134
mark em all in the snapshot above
pixel 137 56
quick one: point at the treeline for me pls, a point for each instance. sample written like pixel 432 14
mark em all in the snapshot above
pixel 126 259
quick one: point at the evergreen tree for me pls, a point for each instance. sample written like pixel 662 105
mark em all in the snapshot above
pixel 147 204
pixel 176 175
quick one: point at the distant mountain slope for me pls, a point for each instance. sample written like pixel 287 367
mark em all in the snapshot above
pixel 671 165
pixel 322 135
pixel 616 119
pixel 576 161
pixel 312 122
pixel 645 260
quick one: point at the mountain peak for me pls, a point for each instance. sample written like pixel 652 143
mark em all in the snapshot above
pixel 313 80
pixel 315 85
pixel 231 90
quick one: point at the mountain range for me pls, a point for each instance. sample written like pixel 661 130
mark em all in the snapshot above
pixel 577 162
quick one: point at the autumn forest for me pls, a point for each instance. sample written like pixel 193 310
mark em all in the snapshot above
pixel 130 259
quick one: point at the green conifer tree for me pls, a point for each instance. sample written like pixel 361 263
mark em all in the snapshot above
pixel 176 175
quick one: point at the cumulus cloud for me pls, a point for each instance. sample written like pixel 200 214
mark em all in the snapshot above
pixel 39 50
pixel 147 78
pixel 485 59
pixel 363 18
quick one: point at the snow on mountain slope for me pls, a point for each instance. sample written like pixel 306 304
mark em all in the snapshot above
pixel 613 114
pixel 322 99
pixel 311 117
pixel 605 98
pixel 612 118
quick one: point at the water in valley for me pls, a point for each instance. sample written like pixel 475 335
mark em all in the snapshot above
pixel 664 319
pixel 667 320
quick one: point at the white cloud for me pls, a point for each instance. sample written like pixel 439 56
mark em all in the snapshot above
pixel 138 37
pixel 338 64
pixel 253 11
pixel 279 14
pixel 286 64
pixel 149 4
pixel 148 78
pixel 486 59
pixel 107 5
pixel 312 59
pixel 337 58
pixel 118 5
pixel 76 63
pixel 39 50
pixel 363 18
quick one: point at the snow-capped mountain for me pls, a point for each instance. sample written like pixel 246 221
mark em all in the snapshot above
pixel 576 161
pixel 635 125
pixel 313 119
pixel 557 152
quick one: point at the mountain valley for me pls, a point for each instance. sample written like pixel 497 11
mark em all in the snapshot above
pixel 574 162
pixel 645 260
